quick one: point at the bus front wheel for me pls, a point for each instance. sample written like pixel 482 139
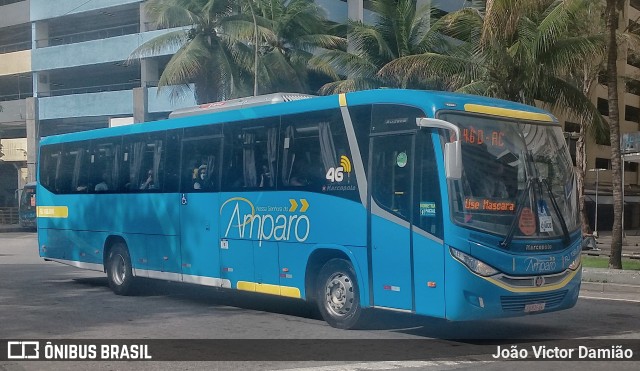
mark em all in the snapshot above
pixel 338 295
pixel 119 273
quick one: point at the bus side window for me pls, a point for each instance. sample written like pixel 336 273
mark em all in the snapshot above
pixel 145 157
pixel 106 173
pixel 201 159
pixel 49 158
pixel 428 215
pixel 361 119
pixel 72 175
pixel 250 154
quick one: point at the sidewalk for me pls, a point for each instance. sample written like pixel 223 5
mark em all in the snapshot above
pixel 613 280
pixel 5 228
pixel 594 279
pixel 630 244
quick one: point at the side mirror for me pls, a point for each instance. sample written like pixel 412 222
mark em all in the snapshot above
pixel 452 150
pixel 453 160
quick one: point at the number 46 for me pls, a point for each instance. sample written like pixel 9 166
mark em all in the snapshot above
pixel 335 174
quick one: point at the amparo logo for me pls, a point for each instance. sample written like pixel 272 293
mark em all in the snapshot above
pixel 247 221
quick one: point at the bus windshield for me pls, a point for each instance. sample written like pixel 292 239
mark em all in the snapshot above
pixel 517 181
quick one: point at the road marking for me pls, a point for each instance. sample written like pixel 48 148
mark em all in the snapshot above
pixel 614 299
pixel 388 365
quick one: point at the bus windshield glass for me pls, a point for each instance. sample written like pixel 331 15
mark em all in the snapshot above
pixel 518 179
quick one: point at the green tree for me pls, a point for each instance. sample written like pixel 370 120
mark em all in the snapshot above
pixel 589 22
pixel 400 30
pixel 519 50
pixel 289 31
pixel 207 54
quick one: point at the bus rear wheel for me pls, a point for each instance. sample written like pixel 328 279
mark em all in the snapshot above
pixel 338 295
pixel 119 272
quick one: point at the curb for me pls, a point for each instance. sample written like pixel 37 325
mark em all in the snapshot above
pixel 610 287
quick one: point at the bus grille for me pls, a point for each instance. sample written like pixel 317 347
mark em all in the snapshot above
pixel 517 303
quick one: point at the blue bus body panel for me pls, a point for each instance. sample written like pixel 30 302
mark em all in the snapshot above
pixel 267 237
pixel 429 286
pixel 200 247
pixel 147 222
pixel 391 265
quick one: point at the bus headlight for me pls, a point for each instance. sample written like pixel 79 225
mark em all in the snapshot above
pixel 474 264
pixel 575 264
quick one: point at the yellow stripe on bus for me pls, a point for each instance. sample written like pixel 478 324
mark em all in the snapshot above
pixel 52 211
pixel 291 292
pixel 555 286
pixel 342 98
pixel 506 112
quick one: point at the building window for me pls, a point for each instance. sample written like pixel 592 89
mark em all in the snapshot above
pixel 603 106
pixel 633 86
pixel 631 167
pixel 571 127
pixel 603 163
pixel 631 114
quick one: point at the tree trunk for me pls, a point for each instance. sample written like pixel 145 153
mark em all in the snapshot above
pixel 581 165
pixel 588 80
pixel 612 15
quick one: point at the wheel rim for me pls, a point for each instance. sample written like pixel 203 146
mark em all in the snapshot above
pixel 339 294
pixel 118 269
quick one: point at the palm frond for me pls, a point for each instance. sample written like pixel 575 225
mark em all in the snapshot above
pixel 159 45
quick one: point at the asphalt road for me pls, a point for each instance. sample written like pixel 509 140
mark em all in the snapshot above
pixel 45 300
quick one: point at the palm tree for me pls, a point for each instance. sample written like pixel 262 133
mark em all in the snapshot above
pixel 400 30
pixel 589 22
pixel 288 32
pixel 521 53
pixel 207 54
pixel 612 16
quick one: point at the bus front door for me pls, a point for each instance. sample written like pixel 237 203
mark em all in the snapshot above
pixel 390 189
pixel 406 223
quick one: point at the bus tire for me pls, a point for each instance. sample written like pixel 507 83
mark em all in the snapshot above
pixel 338 294
pixel 119 273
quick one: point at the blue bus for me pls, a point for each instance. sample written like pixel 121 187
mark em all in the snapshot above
pixel 434 203
pixel 27 206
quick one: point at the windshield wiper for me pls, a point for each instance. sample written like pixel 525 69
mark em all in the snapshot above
pixel 512 228
pixel 565 231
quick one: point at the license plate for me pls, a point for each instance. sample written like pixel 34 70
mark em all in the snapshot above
pixel 534 307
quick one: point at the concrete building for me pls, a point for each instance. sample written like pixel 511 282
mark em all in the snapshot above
pixel 63 68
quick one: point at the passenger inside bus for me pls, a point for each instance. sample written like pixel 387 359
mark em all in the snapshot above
pixel 300 172
pixel 149 183
pixel 203 177
pixel 266 180
pixel 102 186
